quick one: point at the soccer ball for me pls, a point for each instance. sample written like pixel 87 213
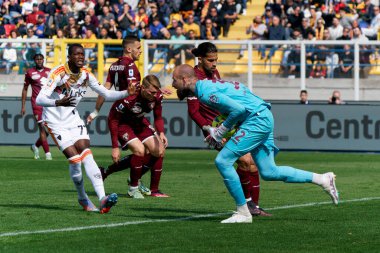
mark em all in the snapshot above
pixel 219 120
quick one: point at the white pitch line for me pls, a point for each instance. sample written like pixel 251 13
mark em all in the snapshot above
pixel 69 229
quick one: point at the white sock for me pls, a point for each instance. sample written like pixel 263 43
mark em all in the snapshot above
pixel 317 179
pixel 248 199
pixel 243 210
pixel 93 172
pixel 76 176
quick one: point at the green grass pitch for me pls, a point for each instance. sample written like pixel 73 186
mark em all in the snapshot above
pixel 38 202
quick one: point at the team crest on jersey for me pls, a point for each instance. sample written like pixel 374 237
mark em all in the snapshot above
pixel 136 109
pixel 36 76
pixel 213 99
pixel 125 137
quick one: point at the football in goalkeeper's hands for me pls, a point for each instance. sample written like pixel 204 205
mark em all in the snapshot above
pixel 219 120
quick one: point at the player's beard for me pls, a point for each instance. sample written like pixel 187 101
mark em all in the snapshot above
pixel 182 94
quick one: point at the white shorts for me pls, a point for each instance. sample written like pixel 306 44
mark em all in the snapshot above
pixel 66 136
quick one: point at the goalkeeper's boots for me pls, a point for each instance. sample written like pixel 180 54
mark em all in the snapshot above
pixel 330 187
pixel 238 218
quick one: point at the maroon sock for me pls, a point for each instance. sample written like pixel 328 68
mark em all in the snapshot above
pixel 136 168
pixel 123 164
pixel 255 189
pixel 156 171
pixel 146 166
pixel 245 181
pixel 38 143
pixel 45 145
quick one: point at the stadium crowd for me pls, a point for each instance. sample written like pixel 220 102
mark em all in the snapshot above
pixel 312 20
pixel 114 19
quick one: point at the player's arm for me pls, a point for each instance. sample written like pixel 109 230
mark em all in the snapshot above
pixel 193 110
pixel 49 84
pixel 113 123
pixel 99 104
pixel 24 93
pixel 109 95
pixel 159 123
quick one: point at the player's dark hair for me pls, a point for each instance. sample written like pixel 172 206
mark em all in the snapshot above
pixel 303 91
pixel 38 54
pixel 151 80
pixel 203 49
pixel 129 40
pixel 72 46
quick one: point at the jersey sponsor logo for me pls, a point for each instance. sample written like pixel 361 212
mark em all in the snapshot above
pixel 130 72
pixel 117 67
pixel 36 77
pixel 213 99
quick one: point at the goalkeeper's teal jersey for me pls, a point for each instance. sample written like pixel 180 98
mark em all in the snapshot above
pixel 230 98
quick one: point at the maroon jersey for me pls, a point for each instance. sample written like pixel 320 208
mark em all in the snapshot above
pixel 199 112
pixel 122 73
pixel 131 111
pixel 33 78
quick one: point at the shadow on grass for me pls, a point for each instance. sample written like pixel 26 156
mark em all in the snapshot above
pixel 35 206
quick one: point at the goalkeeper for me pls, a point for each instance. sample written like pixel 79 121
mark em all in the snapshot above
pixel 255 135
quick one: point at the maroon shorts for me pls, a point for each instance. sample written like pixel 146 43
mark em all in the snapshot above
pixel 126 134
pixel 37 112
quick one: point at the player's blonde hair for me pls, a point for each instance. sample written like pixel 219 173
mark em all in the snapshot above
pixel 151 80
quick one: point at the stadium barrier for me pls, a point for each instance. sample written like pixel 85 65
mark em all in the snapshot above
pixel 321 127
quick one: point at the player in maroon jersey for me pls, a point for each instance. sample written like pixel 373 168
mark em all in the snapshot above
pixel 203 115
pixel 33 77
pixel 123 73
pixel 128 125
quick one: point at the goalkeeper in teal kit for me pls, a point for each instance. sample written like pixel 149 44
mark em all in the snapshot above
pixel 252 117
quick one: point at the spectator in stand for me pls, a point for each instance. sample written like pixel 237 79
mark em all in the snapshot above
pixel 31 49
pixel 113 28
pixel 197 11
pixel 217 20
pixel 94 18
pixel 99 7
pixel 107 16
pixel 42 31
pixel 13 9
pixel 358 36
pixel 304 97
pixel 191 25
pixel 257 30
pixel 125 17
pixel 229 14
pixel 186 8
pixel 275 32
pixel 103 34
pixel 9 58
pixel 27 7
pixel 32 17
pixel 294 62
pixel 296 18
pixel 156 27
pixel 61 19
pixel 21 26
pixel 175 49
pixel 87 25
pixel 73 34
pixel 320 28
pixel 305 28
pixel 336 30
pixel 173 25
pixel 346 34
pixel 346 20
pixel 346 63
pixel 57 5
pixel 336 98
pixel 368 12
pixel 133 31
pixel 89 48
pixel 71 25
pixel 47 7
pixel 78 9
pixel 208 32
pixel 319 71
pixel 154 13
pixel 163 11
pixel 372 30
pixel 314 16
pixel 59 35
pixel 89 5
pixel 275 6
pixel 268 16
pixel 141 16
